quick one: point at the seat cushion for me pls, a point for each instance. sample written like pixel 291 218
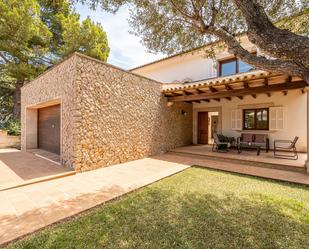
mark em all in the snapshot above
pixel 248 138
pixel 260 138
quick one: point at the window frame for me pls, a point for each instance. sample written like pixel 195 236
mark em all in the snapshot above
pixel 227 61
pixel 255 119
pixel 220 62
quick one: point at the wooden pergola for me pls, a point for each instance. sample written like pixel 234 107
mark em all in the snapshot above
pixel 252 83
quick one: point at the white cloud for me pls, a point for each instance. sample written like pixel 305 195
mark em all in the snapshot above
pixel 126 49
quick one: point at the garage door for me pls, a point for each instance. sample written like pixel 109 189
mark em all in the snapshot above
pixel 49 128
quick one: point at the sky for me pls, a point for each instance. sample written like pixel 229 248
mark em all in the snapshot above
pixel 126 49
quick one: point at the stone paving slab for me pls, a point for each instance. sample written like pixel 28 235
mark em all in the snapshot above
pixel 26 209
pixel 20 168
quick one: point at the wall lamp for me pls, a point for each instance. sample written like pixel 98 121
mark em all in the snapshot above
pixel 184 113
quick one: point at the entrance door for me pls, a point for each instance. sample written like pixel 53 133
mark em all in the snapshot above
pixel 49 128
pixel 203 127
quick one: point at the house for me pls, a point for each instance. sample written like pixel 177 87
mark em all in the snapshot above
pixel 232 96
pixel 94 114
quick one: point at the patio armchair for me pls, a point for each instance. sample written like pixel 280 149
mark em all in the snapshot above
pixel 286 146
pixel 221 143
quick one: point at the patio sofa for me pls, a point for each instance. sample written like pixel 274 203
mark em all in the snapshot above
pixel 253 141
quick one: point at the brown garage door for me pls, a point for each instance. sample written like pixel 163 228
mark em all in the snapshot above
pixel 49 128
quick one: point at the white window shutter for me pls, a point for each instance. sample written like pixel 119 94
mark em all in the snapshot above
pixel 272 118
pixel 277 116
pixel 236 119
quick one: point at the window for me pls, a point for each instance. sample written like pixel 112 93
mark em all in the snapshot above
pixel 256 119
pixel 233 66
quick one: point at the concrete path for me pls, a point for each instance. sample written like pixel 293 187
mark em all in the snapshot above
pixel 26 209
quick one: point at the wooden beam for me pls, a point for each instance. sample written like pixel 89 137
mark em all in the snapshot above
pixel 246 85
pixel 241 92
pixel 212 89
pixel 200 91
pixel 187 92
pixel 266 82
pixel 196 101
pixel 228 87
pixel 177 94
pixel 288 79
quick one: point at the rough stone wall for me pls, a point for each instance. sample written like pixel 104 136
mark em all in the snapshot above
pixel 121 117
pixel 57 83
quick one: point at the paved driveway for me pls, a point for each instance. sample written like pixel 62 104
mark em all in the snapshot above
pixel 17 168
pixel 26 209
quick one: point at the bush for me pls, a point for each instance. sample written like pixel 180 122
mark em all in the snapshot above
pixel 12 126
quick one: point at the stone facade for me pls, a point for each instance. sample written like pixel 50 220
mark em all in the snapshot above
pixel 54 86
pixel 109 115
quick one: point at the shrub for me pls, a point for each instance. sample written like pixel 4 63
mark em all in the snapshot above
pixel 12 126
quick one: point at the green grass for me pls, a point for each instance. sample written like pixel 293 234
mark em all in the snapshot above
pixel 197 208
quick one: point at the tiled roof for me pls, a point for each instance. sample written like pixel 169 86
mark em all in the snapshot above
pixel 218 81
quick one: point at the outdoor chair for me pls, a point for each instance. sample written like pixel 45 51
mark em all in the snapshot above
pixel 221 143
pixel 286 146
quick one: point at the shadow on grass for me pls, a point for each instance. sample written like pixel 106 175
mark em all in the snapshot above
pixel 159 217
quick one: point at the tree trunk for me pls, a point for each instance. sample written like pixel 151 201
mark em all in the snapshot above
pixel 17 100
pixel 279 43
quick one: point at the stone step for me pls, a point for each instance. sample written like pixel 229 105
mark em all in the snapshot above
pixel 242 161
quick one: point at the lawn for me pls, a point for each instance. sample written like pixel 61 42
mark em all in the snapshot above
pixel 197 208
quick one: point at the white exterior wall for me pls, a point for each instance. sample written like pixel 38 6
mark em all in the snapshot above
pixel 296 115
pixel 194 67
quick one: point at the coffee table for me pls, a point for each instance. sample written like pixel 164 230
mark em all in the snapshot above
pixel 257 146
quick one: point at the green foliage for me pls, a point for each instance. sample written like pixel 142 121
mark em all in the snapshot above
pixel 197 208
pixel 162 28
pixel 6 102
pixel 24 38
pixel 298 24
pixel 87 37
pixel 13 127
pixel 36 34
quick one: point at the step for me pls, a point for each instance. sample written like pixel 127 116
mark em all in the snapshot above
pixel 250 170
pixel 242 161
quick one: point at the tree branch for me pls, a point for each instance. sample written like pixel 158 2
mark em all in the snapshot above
pixel 262 32
pixel 273 65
